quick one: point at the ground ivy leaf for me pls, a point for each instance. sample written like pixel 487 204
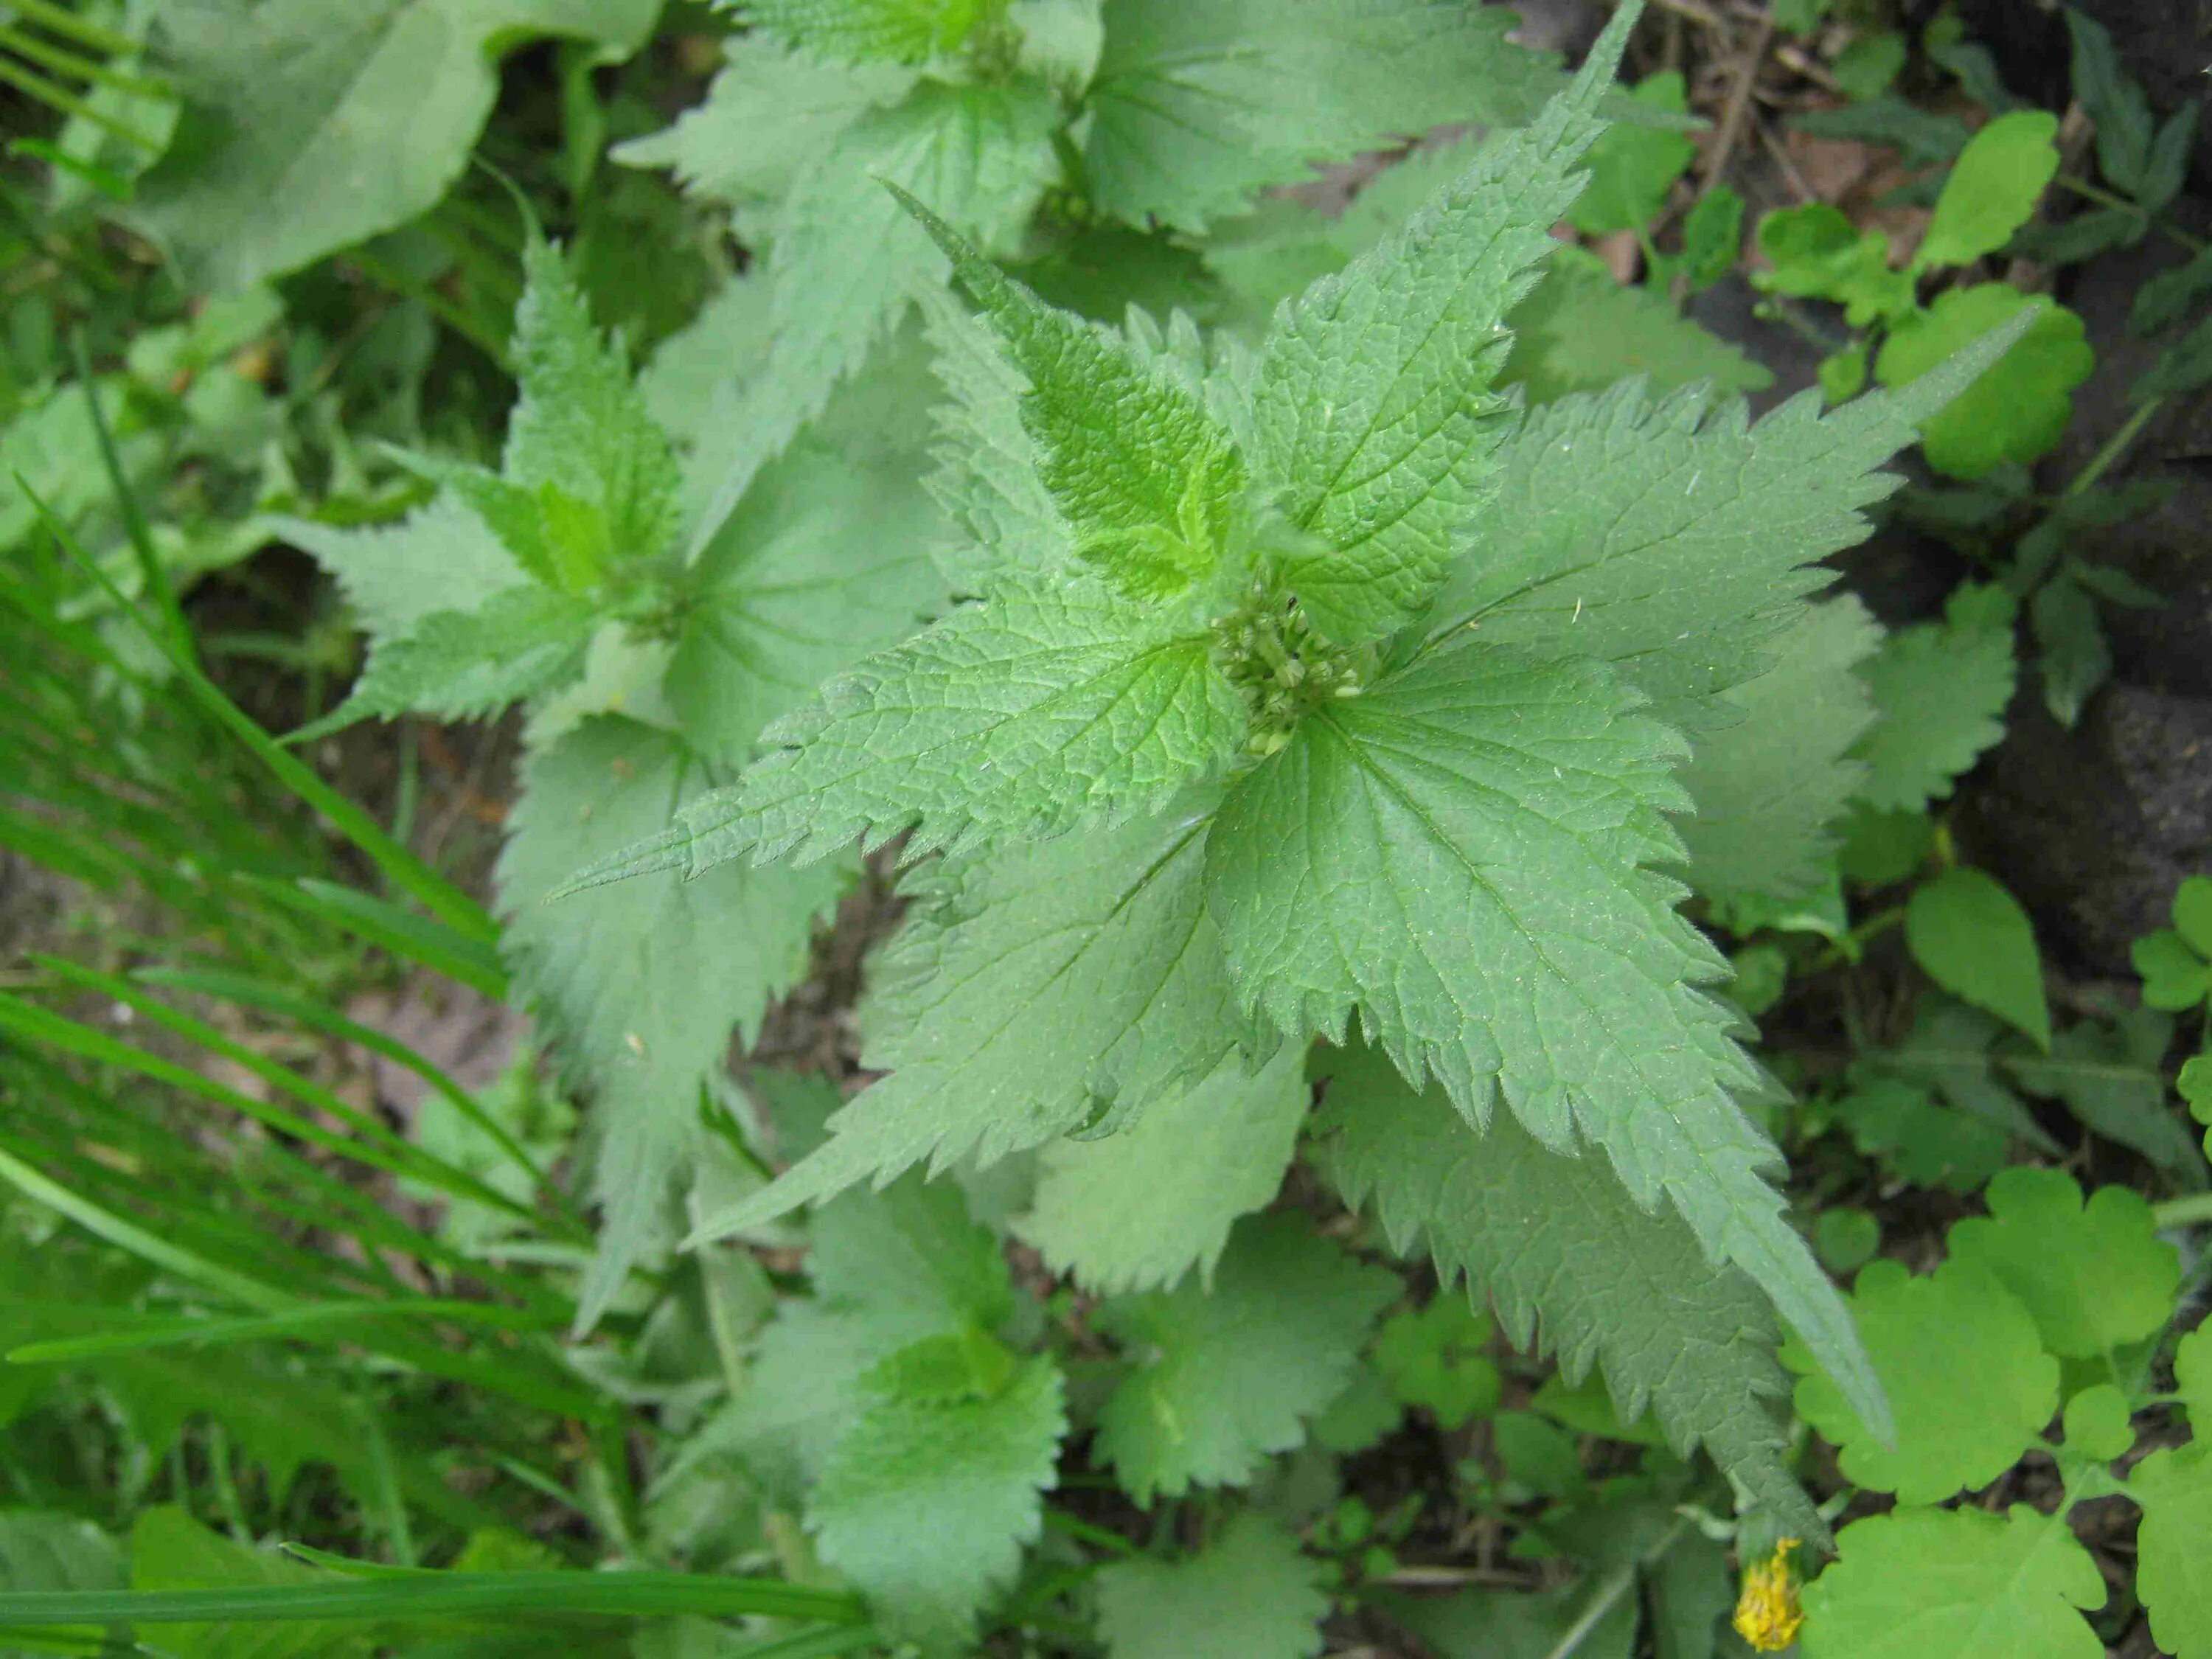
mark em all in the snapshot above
pixel 1922 1582
pixel 1229 1376
pixel 1374 418
pixel 2095 1276
pixel 926 1504
pixel 1139 1208
pixel 1973 939
pixel 642 984
pixel 2173 1575
pixel 1942 689
pixel 1047 705
pixel 1770 788
pixel 1968 1382
pixel 306 128
pixel 1037 983
pixel 1570 1262
pixel 1673 537
pixel 1631 168
pixel 1143 475
pixel 1251 1594
pixel 1195 109
pixel 1481 822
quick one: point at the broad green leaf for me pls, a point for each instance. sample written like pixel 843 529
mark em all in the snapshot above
pixel 642 984
pixel 2192 1379
pixel 1922 1581
pixel 1226 1376
pixel 2175 977
pixel 1632 168
pixel 1676 537
pixel 1973 939
pixel 1438 1357
pixel 306 128
pixel 1992 189
pixel 1967 1380
pixel 1250 1593
pixel 2017 410
pixel 1197 108
pixel 2174 1487
pixel 2095 1276
pixel 1815 252
pixel 1513 806
pixel 2113 1078
pixel 1046 706
pixel 1037 986
pixel 1139 1208
pixel 44 1551
pixel 2193 913
pixel 823 562
pixel 1918 1139
pixel 1771 788
pixel 170 1550
pixel 1143 475
pixel 1942 689
pixel 459 666
pixel 1373 418
pixel 846 259
pixel 580 428
pixel 1568 1262
pixel 1580 330
pixel 442 558
pixel 862 31
pixel 925 1505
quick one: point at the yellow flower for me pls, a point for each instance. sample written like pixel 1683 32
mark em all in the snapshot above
pixel 1767 1614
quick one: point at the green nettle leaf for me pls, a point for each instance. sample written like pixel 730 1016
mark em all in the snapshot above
pixel 2018 411
pixel 1556 1245
pixel 1771 788
pixel 925 1503
pixel 1225 1377
pixel 306 128
pixel 1197 108
pixel 1140 1208
pixel 1973 939
pixel 1942 689
pixel 442 558
pixel 642 984
pixel 1964 1371
pixel 2174 1487
pixel 1036 986
pixel 2095 1276
pixel 895 31
pixel 1992 190
pixel 1250 1593
pixel 1922 1582
pixel 1581 332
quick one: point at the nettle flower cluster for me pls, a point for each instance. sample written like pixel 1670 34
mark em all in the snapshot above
pixel 1367 696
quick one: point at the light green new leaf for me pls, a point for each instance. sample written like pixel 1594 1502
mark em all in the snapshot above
pixel 1942 689
pixel 1770 788
pixel 1251 1594
pixel 306 127
pixel 1922 1582
pixel 1227 1377
pixel 2017 411
pixel 1144 475
pixel 1674 537
pixel 2174 1575
pixel 1139 1208
pixel 1045 706
pixel 1968 1382
pixel 1373 418
pixel 1815 251
pixel 1973 939
pixel 1038 984
pixel 1632 168
pixel 642 982
pixel 2095 1277
pixel 860 30
pixel 2192 1379
pixel 1462 856
pixel 1197 108
pixel 1992 190
pixel 580 427
pixel 925 1505
pixel 461 665
pixel 1569 1261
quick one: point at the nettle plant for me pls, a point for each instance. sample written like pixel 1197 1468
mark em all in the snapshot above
pixel 1317 692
